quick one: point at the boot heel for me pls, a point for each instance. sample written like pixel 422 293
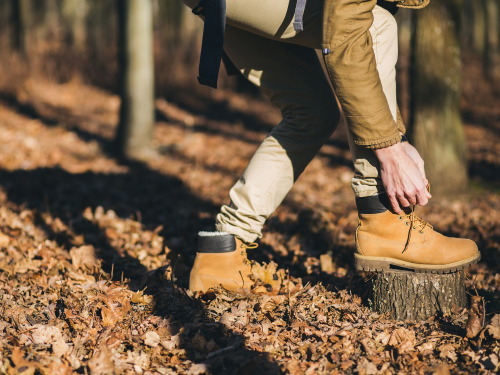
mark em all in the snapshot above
pixel 363 264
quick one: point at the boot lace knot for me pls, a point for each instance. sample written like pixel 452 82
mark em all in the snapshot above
pixel 415 223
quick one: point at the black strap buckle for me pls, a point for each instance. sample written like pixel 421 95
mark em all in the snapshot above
pixel 199 10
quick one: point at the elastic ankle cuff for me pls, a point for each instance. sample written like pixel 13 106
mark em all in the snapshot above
pixel 376 204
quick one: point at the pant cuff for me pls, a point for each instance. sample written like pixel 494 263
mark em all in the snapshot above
pixel 238 232
pixel 367 191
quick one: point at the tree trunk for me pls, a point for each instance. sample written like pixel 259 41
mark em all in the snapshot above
pixel 491 58
pixel 75 11
pixel 437 130
pixel 417 296
pixel 478 26
pixel 136 79
pixel 21 23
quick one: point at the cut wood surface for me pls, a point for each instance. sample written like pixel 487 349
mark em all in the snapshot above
pixel 417 296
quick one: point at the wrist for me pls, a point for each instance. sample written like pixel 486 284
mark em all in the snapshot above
pixel 390 152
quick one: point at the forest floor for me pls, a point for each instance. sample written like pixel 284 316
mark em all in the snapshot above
pixel 96 251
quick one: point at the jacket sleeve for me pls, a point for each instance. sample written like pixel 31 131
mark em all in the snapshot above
pixel 401 124
pixel 353 72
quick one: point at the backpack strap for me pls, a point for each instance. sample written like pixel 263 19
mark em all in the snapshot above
pixel 212 46
pixel 298 23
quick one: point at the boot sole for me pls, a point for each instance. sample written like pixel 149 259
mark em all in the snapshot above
pixel 367 263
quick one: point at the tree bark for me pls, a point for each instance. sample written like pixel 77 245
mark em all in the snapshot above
pixel 75 12
pixel 136 79
pixel 491 58
pixel 436 125
pixel 478 26
pixel 417 296
pixel 21 12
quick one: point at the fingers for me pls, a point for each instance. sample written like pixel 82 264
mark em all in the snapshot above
pixel 422 198
pixel 394 203
pixel 421 168
pixel 427 192
pixel 403 200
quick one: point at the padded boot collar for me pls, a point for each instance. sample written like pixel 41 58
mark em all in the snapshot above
pixel 217 242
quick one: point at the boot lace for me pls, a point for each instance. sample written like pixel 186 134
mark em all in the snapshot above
pixel 414 222
pixel 250 246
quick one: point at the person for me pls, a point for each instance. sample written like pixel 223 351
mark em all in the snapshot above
pixel 360 50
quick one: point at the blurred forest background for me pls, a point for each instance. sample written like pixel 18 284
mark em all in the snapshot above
pixel 63 41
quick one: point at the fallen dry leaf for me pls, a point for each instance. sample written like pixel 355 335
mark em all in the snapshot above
pixel 268 275
pixel 151 338
pixel 43 334
pixel 21 366
pixel 366 367
pixel 494 327
pixel 101 363
pixel 171 344
pixel 4 240
pixel 448 351
pixel 327 263
pixel 117 305
pixel 141 299
pixel 441 369
pixel 475 321
pixel 84 257
pixel 198 369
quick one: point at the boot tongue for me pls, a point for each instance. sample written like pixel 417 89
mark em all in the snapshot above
pixel 407 210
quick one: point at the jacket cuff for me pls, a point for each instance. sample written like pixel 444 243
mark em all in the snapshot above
pixel 411 4
pixel 377 130
pixel 382 143
pixel 401 125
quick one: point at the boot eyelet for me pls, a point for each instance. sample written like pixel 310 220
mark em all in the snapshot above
pixel 421 231
pixel 407 222
pixel 400 218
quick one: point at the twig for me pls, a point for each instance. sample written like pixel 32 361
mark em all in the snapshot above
pixel 311 322
pixel 288 292
pixel 27 330
pixel 172 279
pixel 220 351
pixel 243 280
pixel 348 328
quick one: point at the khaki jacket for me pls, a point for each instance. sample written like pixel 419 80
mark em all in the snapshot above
pixel 353 71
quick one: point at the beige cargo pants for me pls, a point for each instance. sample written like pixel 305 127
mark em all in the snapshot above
pixel 261 42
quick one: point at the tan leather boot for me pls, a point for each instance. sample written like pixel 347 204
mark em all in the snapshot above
pixel 406 241
pixel 221 261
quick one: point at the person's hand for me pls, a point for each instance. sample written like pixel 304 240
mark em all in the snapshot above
pixel 417 159
pixel 402 179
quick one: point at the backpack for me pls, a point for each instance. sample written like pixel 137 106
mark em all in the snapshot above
pixel 212 46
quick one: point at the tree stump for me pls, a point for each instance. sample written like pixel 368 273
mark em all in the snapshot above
pixel 417 296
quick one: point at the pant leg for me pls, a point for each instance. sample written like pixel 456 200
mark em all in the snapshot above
pixel 292 77
pixel 282 71
pixel 384 31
